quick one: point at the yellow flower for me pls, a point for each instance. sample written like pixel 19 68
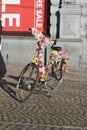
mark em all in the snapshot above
pixel 54 52
pixel 34 60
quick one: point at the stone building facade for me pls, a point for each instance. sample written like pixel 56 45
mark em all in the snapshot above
pixel 71 26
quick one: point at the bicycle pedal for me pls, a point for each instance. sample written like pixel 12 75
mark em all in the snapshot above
pixel 48 79
pixel 51 88
pixel 44 89
pixel 49 95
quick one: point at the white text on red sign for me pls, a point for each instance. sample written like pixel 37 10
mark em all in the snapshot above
pixel 39 14
pixel 9 16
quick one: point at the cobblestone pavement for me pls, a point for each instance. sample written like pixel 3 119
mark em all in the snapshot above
pixel 65 110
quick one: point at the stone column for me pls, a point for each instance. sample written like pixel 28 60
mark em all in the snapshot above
pixel 53 17
pixel 83 30
pixel 70 15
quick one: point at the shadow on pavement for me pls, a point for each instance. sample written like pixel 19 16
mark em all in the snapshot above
pixel 8 87
pixel 13 77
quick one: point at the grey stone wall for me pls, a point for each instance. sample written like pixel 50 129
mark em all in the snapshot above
pixel 17 50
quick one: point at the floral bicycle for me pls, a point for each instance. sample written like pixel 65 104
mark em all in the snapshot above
pixel 38 70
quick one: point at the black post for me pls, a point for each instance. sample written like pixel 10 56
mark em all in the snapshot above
pixel 45 56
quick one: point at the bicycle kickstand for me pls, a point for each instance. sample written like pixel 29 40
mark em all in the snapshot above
pixel 49 94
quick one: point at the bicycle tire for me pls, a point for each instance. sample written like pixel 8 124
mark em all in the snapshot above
pixel 27 81
pixel 57 70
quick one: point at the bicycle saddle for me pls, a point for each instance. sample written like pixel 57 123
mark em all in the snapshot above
pixel 56 48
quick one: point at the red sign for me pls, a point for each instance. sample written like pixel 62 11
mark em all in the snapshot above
pixel 19 15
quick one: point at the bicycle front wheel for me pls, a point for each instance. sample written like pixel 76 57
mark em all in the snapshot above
pixel 57 70
pixel 27 81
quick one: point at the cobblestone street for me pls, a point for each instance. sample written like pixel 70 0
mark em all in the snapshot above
pixel 65 110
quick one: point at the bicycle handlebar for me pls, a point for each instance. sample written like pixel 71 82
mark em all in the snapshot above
pixel 54 43
pixel 51 39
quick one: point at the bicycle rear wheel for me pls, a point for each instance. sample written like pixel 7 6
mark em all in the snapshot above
pixel 57 70
pixel 27 81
